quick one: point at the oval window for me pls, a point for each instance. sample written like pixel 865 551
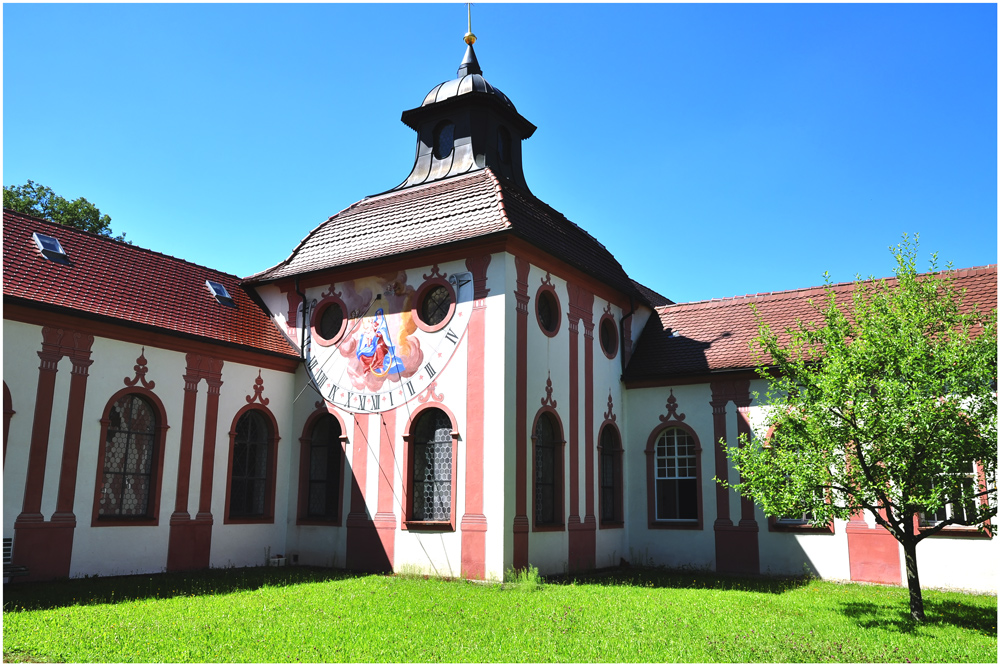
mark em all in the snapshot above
pixel 548 311
pixel 444 140
pixel 609 337
pixel 330 321
pixel 435 305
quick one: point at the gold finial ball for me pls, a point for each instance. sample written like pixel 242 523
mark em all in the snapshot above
pixel 470 39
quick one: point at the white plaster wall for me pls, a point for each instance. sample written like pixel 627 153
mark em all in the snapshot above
pixel 783 553
pixel 968 563
pixel 496 469
pixel 245 544
pixel 669 547
pixel 21 342
pixel 509 409
pixel 122 549
pixel 548 358
pixel 318 545
pixel 612 543
pixel 433 553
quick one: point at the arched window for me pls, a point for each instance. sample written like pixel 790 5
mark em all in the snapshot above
pixel 610 450
pixel 431 459
pixel 676 474
pixel 129 469
pixel 323 460
pixel 548 472
pixel 252 467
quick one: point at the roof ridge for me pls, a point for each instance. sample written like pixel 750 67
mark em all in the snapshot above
pixel 959 272
pixel 119 242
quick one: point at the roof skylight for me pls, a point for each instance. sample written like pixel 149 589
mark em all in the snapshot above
pixel 50 247
pixel 220 293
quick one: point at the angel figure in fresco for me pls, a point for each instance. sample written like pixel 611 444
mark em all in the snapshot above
pixel 375 349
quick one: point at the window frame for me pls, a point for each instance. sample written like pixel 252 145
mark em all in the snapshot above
pixel 267 517
pixel 673 524
pixel 617 486
pixel 152 517
pixel 978 477
pixel 792 525
pixel 416 312
pixel 558 465
pixel 546 291
pixel 605 321
pixel 317 316
pixel 409 460
pixel 305 460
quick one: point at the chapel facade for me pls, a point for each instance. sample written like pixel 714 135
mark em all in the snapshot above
pixel 447 377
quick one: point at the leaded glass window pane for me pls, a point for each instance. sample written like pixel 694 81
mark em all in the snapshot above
pixel 129 460
pixel 547 509
pixel 324 469
pixel 432 467
pixel 250 464
pixel 610 465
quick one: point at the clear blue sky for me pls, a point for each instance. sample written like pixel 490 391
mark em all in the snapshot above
pixel 714 149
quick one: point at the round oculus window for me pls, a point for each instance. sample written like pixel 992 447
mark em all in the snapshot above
pixel 435 305
pixel 330 321
pixel 444 140
pixel 609 337
pixel 548 311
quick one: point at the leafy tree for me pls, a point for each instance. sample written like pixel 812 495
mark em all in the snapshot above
pixel 40 201
pixel 887 403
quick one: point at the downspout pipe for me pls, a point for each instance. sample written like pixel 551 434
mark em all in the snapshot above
pixel 621 332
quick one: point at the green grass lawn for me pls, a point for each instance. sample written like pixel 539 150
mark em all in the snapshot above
pixel 313 615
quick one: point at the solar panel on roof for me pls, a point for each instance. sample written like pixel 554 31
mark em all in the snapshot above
pixel 50 247
pixel 220 293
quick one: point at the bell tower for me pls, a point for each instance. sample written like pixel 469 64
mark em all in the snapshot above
pixel 466 124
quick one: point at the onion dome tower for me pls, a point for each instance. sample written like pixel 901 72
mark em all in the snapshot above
pixel 466 124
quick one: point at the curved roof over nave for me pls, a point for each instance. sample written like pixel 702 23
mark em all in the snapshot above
pixel 480 204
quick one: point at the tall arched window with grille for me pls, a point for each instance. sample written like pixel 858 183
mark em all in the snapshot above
pixel 548 473
pixel 129 466
pixel 252 467
pixel 610 454
pixel 323 460
pixel 431 458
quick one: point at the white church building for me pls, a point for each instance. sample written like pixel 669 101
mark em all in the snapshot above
pixel 448 377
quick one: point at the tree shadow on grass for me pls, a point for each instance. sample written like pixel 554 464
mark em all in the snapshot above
pixel 660 577
pixel 945 612
pixel 112 589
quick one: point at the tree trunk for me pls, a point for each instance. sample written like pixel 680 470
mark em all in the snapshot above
pixel 913 581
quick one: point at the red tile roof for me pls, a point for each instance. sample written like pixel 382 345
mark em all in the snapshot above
pixel 470 206
pixel 123 282
pixel 710 336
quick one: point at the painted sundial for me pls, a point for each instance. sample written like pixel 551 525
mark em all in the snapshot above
pixel 373 344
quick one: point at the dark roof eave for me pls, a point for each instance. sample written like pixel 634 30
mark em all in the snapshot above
pixel 412 117
pixel 83 314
